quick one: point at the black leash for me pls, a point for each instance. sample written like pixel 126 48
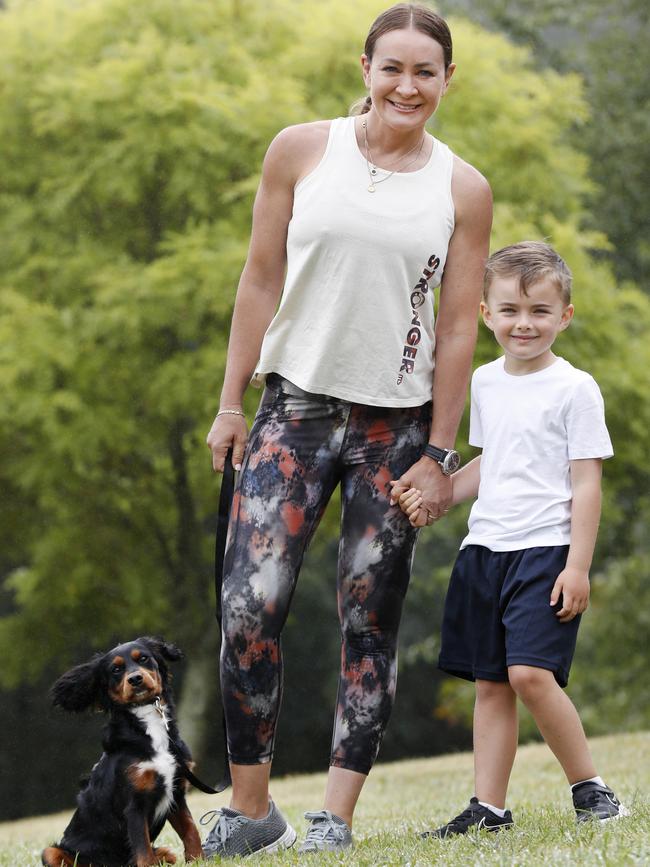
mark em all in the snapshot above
pixel 223 518
pixel 185 771
pixel 182 757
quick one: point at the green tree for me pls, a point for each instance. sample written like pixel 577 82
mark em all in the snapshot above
pixel 132 140
pixel 605 43
pixel 618 139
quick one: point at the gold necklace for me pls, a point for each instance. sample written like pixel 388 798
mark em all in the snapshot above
pixel 372 166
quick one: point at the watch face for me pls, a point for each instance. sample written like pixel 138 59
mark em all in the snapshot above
pixel 451 462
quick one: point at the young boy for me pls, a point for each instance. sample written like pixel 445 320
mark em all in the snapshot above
pixel 521 579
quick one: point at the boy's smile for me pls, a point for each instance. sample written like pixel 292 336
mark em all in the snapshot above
pixel 525 326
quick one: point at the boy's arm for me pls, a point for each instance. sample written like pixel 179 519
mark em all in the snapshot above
pixel 573 581
pixel 465 482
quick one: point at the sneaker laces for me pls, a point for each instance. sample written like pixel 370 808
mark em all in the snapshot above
pixel 463 820
pixel 228 821
pixel 591 797
pixel 323 828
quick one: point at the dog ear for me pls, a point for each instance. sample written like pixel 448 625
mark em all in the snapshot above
pixel 78 689
pixel 163 649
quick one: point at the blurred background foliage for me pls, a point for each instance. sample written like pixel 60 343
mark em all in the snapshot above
pixel 132 138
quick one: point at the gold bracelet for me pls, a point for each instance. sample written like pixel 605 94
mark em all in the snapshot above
pixel 231 412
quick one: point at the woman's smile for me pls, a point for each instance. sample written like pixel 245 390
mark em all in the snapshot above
pixel 403 106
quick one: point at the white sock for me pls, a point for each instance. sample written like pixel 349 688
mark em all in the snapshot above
pixel 598 780
pixel 500 813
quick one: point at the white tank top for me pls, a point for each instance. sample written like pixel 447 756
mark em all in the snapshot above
pixel 356 319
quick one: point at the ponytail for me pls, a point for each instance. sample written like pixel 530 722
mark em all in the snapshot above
pixel 361 106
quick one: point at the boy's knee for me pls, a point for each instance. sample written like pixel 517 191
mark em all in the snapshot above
pixel 492 690
pixel 530 682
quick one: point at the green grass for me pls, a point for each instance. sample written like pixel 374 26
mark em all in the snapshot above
pixel 403 798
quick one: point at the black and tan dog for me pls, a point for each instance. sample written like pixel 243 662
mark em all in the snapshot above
pixel 138 784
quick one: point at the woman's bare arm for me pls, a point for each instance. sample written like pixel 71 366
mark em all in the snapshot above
pixel 456 330
pixel 291 155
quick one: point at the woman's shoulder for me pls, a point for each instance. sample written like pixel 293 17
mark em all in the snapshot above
pixel 469 188
pixel 299 147
pixel 468 180
pixel 300 139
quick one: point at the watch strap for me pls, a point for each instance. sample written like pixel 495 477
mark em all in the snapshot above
pixel 435 453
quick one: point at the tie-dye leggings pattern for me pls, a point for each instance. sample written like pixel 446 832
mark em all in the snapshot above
pixel 300 447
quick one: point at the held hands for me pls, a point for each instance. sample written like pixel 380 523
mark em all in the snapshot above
pixel 573 585
pixel 229 430
pixel 423 493
pixel 410 502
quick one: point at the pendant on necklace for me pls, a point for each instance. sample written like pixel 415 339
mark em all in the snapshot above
pixel 371 188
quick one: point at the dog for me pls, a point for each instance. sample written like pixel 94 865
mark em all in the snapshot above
pixel 140 781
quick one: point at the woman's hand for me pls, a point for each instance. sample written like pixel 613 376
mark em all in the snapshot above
pixel 427 477
pixel 229 430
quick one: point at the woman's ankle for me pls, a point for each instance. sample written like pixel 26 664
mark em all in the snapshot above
pixel 252 807
pixel 250 789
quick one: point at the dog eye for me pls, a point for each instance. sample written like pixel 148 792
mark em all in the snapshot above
pixel 143 658
pixel 117 669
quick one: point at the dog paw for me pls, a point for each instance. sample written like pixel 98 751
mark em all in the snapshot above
pixel 164 855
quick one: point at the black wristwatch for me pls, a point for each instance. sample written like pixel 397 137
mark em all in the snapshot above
pixel 448 459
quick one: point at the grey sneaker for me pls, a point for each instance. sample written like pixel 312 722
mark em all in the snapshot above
pixel 236 834
pixel 595 802
pixel 326 833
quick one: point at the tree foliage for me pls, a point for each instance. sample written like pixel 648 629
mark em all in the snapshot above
pixel 606 44
pixel 133 135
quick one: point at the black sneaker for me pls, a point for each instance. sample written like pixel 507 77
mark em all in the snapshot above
pixel 595 802
pixel 476 816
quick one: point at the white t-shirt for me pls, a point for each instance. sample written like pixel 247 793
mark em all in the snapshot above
pixel 529 428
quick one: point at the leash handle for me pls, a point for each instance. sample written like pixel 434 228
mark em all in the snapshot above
pixel 223 519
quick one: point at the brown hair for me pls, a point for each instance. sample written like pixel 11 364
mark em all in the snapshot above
pixel 406 16
pixel 531 261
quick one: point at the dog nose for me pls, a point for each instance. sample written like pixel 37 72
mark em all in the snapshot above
pixel 135 679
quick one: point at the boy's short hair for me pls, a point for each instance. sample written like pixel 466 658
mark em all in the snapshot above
pixel 531 261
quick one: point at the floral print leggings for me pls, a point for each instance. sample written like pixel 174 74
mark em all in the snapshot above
pixel 300 447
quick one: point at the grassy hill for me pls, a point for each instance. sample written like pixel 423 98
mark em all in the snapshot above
pixel 403 798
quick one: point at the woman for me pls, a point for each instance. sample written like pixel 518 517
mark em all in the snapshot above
pixel 368 214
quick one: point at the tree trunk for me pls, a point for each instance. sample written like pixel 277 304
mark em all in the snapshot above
pixel 199 707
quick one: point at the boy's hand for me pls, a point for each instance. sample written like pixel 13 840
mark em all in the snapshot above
pixel 396 491
pixel 573 585
pixel 426 476
pixel 410 502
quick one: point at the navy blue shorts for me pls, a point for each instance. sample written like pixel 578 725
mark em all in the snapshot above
pixel 497 613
